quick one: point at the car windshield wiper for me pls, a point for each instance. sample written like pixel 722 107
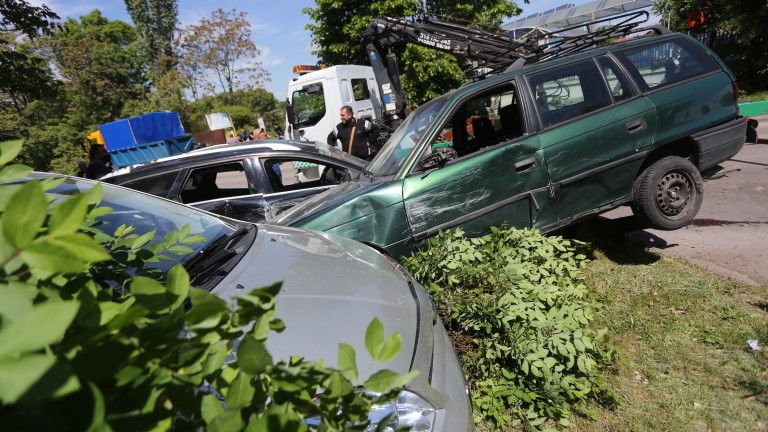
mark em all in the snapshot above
pixel 219 250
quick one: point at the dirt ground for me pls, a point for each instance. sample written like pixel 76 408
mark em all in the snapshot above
pixel 730 233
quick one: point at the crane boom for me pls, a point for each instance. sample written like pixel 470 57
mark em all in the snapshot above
pixel 491 49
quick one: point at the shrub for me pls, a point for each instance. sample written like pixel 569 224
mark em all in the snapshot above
pixel 94 338
pixel 519 317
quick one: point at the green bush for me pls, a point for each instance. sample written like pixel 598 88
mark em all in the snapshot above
pixel 93 338
pixel 519 317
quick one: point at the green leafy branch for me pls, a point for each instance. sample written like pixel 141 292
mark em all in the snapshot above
pixel 162 354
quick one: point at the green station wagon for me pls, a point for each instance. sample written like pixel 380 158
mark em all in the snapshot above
pixel 546 144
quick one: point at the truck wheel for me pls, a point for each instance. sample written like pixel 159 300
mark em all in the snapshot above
pixel 668 194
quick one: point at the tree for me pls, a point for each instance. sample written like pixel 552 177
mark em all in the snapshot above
pixel 747 53
pixel 23 74
pixel 337 27
pixel 155 22
pixel 218 55
pixel 31 20
pixel 100 67
pixel 243 106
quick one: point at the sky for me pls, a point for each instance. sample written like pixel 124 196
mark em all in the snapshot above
pixel 277 27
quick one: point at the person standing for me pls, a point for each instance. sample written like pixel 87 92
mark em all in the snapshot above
pixel 354 134
pixel 278 132
pixel 244 135
pixel 101 162
pixel 261 134
pixel 82 167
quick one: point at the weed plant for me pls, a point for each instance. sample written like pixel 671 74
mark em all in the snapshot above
pixel 521 320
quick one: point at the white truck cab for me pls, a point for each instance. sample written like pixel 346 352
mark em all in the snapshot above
pixel 316 96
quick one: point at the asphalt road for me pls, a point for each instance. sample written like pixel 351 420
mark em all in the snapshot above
pixel 730 233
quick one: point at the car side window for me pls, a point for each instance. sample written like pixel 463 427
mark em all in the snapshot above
pixel 286 174
pixel 569 91
pixel 483 121
pixel 215 182
pixel 664 63
pixel 617 82
pixel 159 184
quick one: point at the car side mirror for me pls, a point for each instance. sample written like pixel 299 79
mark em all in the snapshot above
pixel 439 157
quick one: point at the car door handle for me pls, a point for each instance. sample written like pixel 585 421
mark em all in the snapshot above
pixel 636 125
pixel 525 165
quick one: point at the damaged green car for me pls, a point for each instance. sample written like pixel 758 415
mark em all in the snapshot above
pixel 544 145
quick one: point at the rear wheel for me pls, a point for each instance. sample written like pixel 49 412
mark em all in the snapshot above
pixel 667 195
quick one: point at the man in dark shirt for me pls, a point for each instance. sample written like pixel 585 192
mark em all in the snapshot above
pixel 354 134
pixel 244 135
pixel 101 162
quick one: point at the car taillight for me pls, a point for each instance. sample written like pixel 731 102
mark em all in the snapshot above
pixel 736 96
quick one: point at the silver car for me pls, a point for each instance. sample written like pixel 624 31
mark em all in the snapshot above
pixel 332 288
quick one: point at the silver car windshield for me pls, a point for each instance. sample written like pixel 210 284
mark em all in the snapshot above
pixel 405 139
pixel 146 213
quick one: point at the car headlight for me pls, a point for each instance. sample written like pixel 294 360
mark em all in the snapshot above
pixel 409 411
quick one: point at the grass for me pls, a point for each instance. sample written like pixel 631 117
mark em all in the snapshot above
pixel 684 333
pixel 756 96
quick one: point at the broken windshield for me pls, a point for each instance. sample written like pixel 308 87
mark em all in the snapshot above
pixel 405 139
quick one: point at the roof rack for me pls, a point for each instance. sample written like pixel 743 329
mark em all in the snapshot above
pixel 547 45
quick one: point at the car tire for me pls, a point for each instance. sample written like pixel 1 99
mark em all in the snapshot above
pixel 667 195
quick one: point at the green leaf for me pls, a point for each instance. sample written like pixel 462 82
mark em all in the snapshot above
pixel 215 358
pixel 170 238
pixel 43 325
pixel 17 300
pixel 178 284
pixel 210 408
pixel 184 231
pixel 24 214
pixel 18 375
pixel 197 238
pixel 374 338
pixel 12 173
pixel 69 216
pixel 240 392
pixel 208 311
pixel 229 421
pixel 57 382
pixel 143 239
pixel 98 411
pixel 94 194
pixel 9 150
pixel 65 254
pixel 180 250
pixel 252 356
pixel 386 380
pixel 346 362
pixel 150 293
pixel 391 348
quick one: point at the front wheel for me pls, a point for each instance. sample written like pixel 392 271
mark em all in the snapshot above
pixel 667 195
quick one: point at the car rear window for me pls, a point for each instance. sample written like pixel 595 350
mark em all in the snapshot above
pixel 664 63
pixel 159 184
pixel 569 91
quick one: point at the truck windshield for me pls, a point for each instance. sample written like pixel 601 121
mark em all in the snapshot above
pixel 308 105
pixel 405 139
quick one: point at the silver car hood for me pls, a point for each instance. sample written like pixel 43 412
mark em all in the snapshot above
pixel 332 288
